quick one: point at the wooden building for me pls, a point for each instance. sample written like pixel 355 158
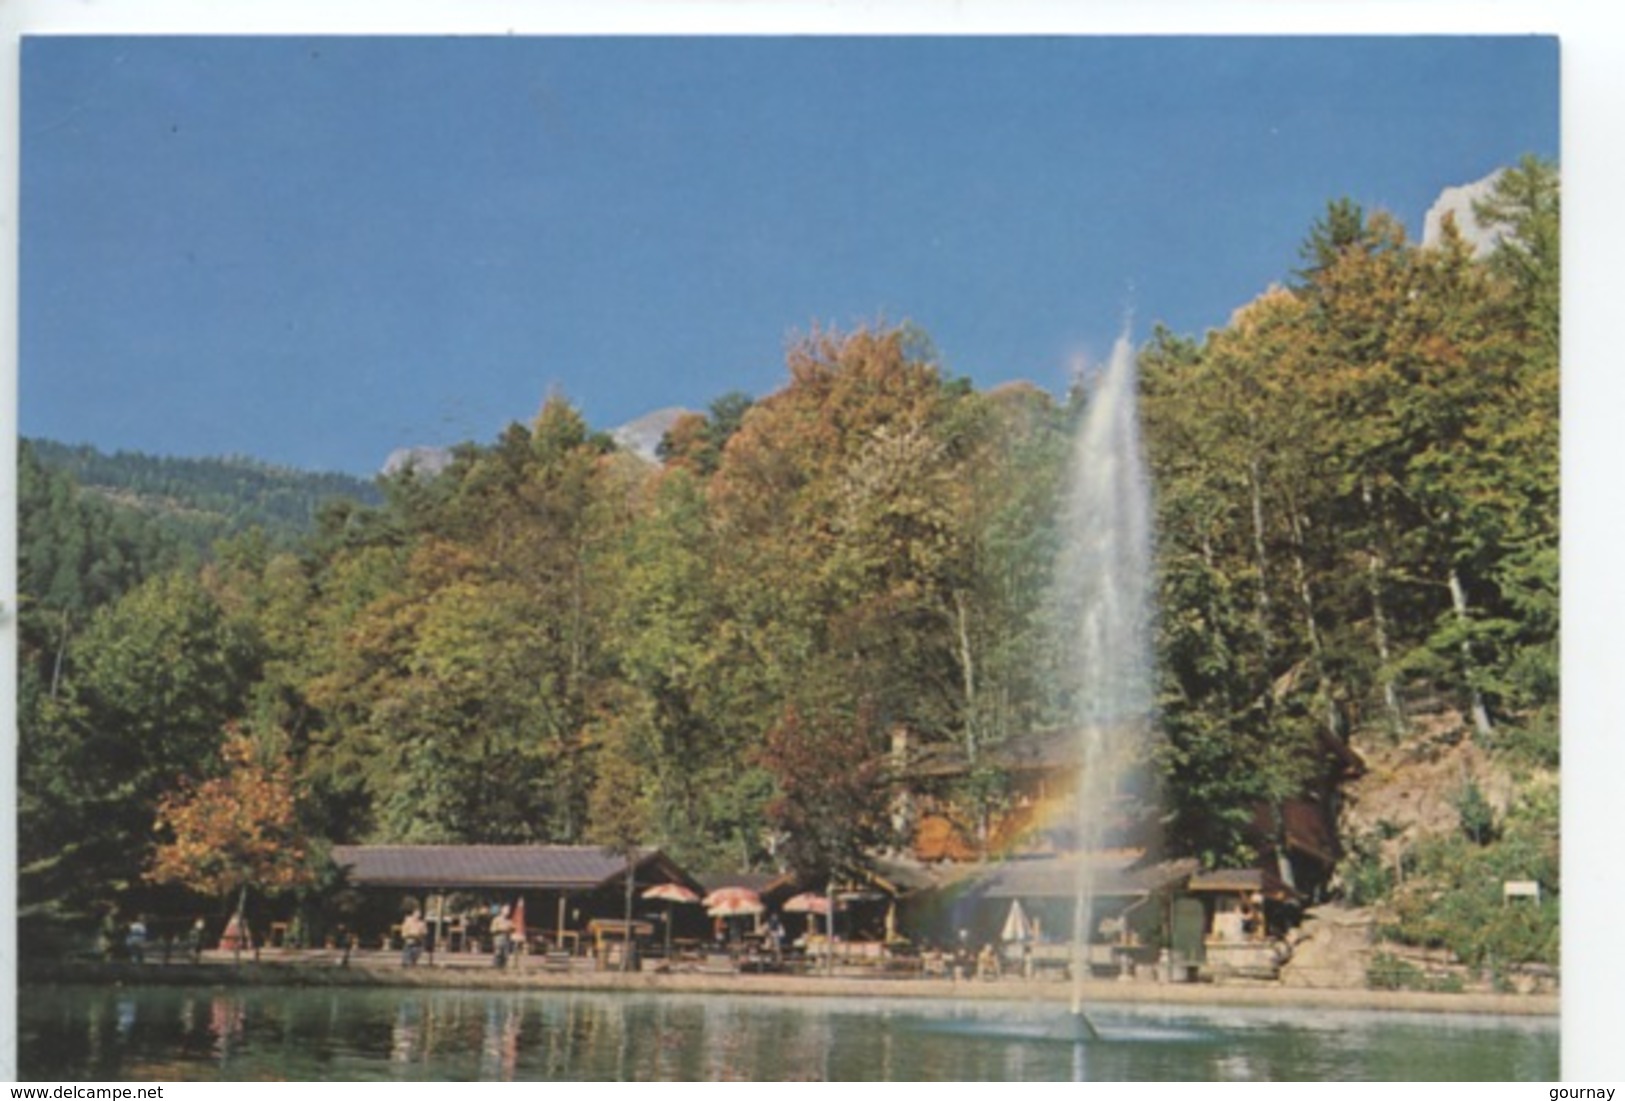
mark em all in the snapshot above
pixel 1295 838
pixel 557 890
pixel 1023 849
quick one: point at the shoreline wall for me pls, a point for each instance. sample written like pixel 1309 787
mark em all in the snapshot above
pixel 272 972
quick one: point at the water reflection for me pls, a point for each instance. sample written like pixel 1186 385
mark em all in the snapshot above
pixel 405 1043
pixel 126 1016
pixel 147 1033
pixel 499 1047
pixel 226 1018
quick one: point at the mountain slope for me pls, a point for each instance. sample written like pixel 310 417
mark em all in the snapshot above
pixel 204 499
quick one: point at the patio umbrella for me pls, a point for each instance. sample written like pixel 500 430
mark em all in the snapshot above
pixel 1017 927
pixel 810 903
pixel 807 903
pixel 670 893
pixel 733 902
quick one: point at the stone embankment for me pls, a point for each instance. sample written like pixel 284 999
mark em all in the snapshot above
pixel 384 970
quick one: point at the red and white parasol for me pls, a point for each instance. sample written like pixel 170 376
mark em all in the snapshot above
pixel 670 893
pixel 807 903
pixel 733 902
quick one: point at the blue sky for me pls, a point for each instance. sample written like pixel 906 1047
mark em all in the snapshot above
pixel 316 250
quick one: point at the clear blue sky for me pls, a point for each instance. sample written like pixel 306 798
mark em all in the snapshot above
pixel 316 250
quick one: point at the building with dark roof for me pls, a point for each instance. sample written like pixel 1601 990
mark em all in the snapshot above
pixel 513 867
pixel 559 888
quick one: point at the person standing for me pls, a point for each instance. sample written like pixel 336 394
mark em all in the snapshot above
pixel 501 937
pixel 413 930
pixel 136 940
pixel 775 938
pixel 962 956
pixel 108 938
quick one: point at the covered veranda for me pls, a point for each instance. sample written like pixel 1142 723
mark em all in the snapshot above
pixel 555 893
pixel 1130 907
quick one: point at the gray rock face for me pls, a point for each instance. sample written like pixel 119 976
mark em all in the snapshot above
pixel 427 461
pixel 1459 201
pixel 642 437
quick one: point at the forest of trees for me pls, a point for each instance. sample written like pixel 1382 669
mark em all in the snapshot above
pixel 553 640
pixel 202 500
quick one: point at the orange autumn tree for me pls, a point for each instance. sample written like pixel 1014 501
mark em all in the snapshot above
pixel 237 830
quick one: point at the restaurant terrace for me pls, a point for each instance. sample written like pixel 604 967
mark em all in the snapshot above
pixel 556 893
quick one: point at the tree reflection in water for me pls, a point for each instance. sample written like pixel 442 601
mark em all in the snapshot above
pixel 85 1034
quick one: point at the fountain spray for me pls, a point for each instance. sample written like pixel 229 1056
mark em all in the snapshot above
pixel 1103 600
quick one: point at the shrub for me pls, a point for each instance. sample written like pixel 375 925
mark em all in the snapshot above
pixel 1534 741
pixel 1366 878
pixel 1388 972
pixel 1455 899
pixel 1476 815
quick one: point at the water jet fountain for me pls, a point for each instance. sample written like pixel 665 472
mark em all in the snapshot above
pixel 1102 597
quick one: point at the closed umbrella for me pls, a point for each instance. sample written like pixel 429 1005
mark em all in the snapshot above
pixel 670 894
pixel 519 928
pixel 1017 927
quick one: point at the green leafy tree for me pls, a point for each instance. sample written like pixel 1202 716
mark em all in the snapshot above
pixel 155 677
pixel 668 637
pixel 1525 202
pixel 617 812
pixel 458 675
pixel 1225 635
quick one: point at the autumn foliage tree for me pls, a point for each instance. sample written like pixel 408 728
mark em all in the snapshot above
pixel 235 831
pixel 831 801
pixel 557 641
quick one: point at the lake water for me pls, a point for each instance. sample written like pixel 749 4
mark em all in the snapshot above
pixel 167 1033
